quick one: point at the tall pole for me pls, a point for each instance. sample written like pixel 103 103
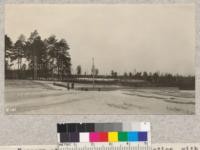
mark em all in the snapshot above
pixel 93 71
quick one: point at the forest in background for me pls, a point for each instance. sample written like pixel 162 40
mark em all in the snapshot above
pixel 49 59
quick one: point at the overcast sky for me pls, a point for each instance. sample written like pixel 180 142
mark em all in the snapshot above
pixel 119 37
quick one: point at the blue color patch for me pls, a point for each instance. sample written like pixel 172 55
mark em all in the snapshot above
pixel 142 136
pixel 133 136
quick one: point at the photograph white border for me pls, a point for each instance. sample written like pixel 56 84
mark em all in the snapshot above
pixel 41 129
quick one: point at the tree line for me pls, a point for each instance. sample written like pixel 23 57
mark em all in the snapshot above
pixel 151 78
pixel 160 79
pixel 49 59
pixel 46 58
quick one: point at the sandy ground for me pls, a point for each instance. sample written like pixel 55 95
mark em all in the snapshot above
pixel 42 97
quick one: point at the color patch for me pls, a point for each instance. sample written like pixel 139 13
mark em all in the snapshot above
pixel 84 137
pixel 61 128
pixel 112 136
pixel 74 137
pixel 94 137
pixel 103 137
pixel 87 127
pixel 122 136
pixel 142 136
pixel 133 136
pixel 64 137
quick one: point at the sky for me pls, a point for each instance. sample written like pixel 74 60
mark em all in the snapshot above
pixel 120 37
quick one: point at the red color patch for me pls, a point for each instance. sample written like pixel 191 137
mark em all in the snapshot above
pixel 103 137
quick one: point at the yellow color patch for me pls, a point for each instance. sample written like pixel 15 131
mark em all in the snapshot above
pixel 112 136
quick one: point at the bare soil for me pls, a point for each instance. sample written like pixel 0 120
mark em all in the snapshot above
pixel 42 97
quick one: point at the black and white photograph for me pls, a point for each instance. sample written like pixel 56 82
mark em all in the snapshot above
pixel 100 59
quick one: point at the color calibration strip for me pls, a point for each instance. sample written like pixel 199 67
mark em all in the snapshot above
pixel 104 137
pixel 103 132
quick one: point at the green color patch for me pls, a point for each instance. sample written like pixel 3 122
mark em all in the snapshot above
pixel 122 136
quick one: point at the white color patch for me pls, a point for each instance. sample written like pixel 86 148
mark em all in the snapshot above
pixel 84 137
